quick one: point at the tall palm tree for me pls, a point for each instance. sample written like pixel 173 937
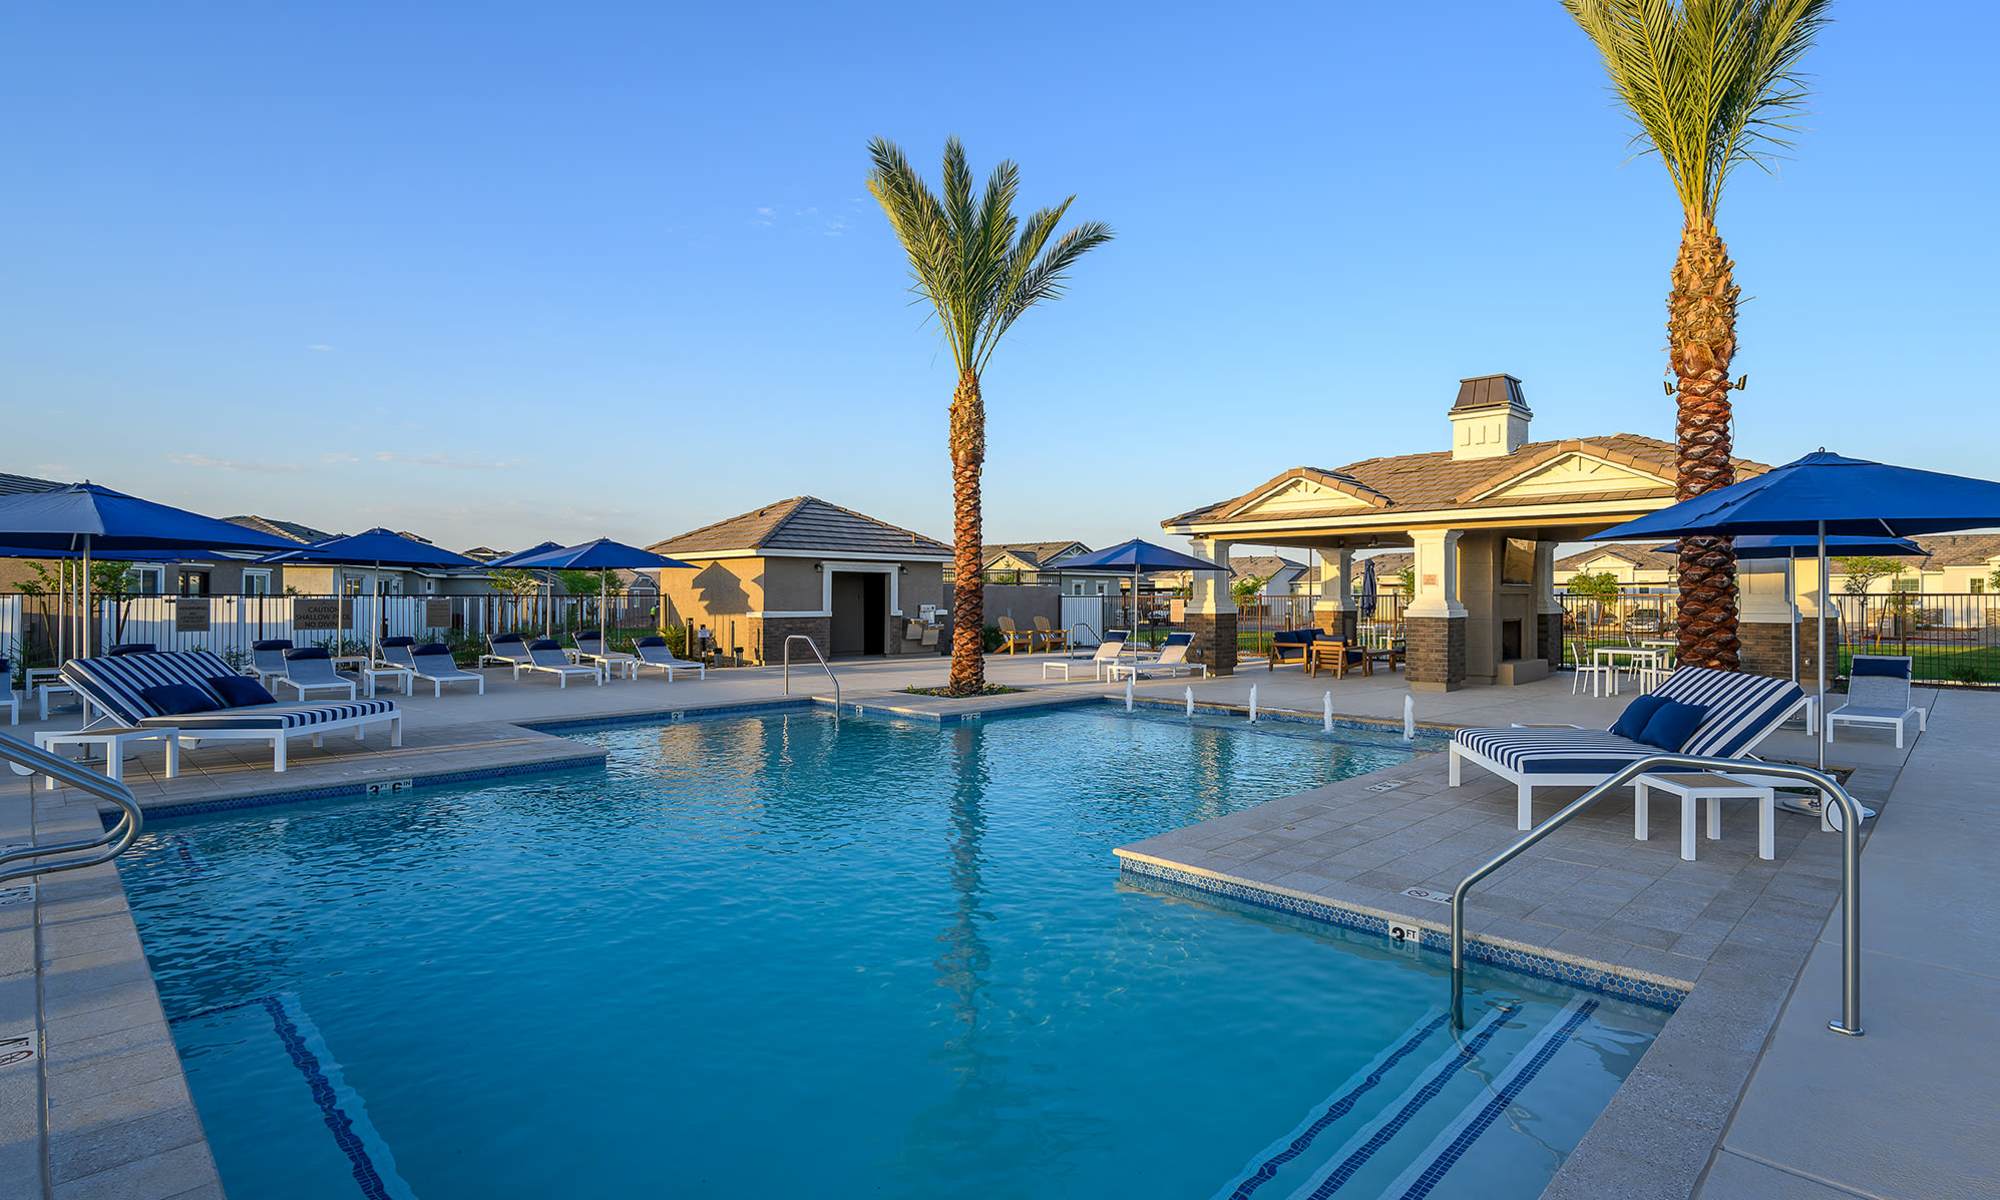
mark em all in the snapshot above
pixel 1711 84
pixel 981 268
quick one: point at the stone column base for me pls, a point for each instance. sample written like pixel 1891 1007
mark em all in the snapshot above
pixel 1766 646
pixel 1214 641
pixel 1337 623
pixel 1436 659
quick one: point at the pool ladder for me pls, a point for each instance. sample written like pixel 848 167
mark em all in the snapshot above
pixel 30 761
pixel 1849 1021
pixel 812 646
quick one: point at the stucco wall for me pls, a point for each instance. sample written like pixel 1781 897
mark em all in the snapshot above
pixel 717 587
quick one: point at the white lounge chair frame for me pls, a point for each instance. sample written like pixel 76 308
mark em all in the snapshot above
pixel 551 660
pixel 1172 659
pixel 611 662
pixel 1878 700
pixel 313 675
pixel 662 658
pixel 434 669
pixel 494 657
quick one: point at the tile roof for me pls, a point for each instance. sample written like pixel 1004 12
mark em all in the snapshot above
pixel 1960 549
pixel 1263 566
pixel 1644 557
pixel 1037 553
pixel 284 529
pixel 1434 480
pixel 806 525
pixel 15 485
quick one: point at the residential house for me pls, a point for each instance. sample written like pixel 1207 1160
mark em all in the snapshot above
pixel 333 579
pixel 1038 563
pixel 854 584
pixel 1633 566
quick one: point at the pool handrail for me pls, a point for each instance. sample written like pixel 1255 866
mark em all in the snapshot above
pixel 1849 1021
pixel 814 647
pixel 31 761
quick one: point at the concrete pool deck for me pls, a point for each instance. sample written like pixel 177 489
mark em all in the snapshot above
pixel 102 1109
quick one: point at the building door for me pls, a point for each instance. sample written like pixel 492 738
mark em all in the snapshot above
pixel 860 612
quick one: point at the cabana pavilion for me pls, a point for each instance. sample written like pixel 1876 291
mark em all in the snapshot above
pixel 1484 519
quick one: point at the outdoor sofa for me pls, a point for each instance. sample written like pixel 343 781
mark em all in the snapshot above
pixel 1738 711
pixel 186 691
pixel 1291 645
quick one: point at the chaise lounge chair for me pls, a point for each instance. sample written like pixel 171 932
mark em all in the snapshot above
pixel 1740 711
pixel 186 691
pixel 8 700
pixel 507 650
pixel 1878 693
pixel 590 648
pixel 310 669
pixel 267 658
pixel 1173 659
pixel 545 656
pixel 431 663
pixel 653 652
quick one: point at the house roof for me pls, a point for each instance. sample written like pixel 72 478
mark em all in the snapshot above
pixel 1960 549
pixel 1643 557
pixel 803 525
pixel 15 485
pixel 1037 553
pixel 1393 563
pixel 483 553
pixel 284 529
pixel 1434 480
pixel 1263 566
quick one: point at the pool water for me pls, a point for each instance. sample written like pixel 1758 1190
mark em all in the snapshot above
pixel 768 955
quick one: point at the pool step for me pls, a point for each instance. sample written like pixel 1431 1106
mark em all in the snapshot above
pixel 1414 1113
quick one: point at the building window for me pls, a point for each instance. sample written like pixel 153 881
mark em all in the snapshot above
pixel 1978 586
pixel 256 582
pixel 1076 587
pixel 194 583
pixel 146 581
pixel 1907 585
pixel 1100 587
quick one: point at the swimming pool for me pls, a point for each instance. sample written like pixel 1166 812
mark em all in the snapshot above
pixel 766 955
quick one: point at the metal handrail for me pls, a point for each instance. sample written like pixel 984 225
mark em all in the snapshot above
pixel 113 841
pixel 814 647
pixel 1849 1022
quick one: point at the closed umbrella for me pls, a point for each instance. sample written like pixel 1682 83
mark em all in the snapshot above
pixel 375 549
pixel 90 519
pixel 602 556
pixel 1369 590
pixel 1824 495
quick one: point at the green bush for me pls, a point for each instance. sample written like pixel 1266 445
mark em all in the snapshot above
pixel 991 638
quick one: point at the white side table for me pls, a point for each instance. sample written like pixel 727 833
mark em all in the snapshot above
pixel 1714 789
pixel 402 676
pixel 114 742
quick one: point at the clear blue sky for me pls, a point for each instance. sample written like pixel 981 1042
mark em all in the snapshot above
pixel 501 273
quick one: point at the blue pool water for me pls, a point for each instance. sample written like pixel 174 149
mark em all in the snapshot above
pixel 765 956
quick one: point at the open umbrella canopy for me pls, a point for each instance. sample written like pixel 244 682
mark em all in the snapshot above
pixel 376 547
pixel 602 554
pixel 116 523
pixel 1826 493
pixel 514 559
pixel 1752 545
pixel 1137 555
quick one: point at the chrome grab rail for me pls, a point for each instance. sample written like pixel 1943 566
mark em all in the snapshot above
pixel 812 646
pixel 1849 1022
pixel 111 843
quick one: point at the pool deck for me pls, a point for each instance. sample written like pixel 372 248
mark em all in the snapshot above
pixel 1744 1093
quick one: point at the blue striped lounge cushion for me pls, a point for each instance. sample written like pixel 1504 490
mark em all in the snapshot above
pixel 115 685
pixel 1554 751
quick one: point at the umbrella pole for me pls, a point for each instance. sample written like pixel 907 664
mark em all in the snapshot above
pixel 1792 602
pixel 1820 604
pixel 88 632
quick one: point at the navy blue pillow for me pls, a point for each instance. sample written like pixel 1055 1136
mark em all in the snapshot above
pixel 543 644
pixel 1672 725
pixel 240 691
pixel 177 699
pixel 650 642
pixel 399 641
pixel 272 644
pixel 1632 722
pixel 306 652
pixel 429 648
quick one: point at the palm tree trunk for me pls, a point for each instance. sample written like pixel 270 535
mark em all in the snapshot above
pixel 1701 341
pixel 968 615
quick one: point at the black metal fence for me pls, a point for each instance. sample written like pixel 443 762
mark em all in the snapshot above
pixel 1952 638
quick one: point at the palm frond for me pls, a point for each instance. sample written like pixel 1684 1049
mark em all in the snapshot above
pixel 978 265
pixel 1710 83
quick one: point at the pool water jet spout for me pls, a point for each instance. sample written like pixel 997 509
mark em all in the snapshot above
pixel 1326 713
pixel 1253 704
pixel 1190 702
pixel 1409 717
pixel 1128 694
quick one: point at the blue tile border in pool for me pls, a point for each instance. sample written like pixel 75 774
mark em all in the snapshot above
pixel 1430 735
pixel 667 716
pixel 1648 992
pixel 167 809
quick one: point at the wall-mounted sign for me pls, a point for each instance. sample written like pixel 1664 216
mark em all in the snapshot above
pixel 316 614
pixel 1430 581
pixel 191 614
pixel 437 613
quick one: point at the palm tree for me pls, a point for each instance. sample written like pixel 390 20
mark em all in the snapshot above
pixel 1711 84
pixel 981 268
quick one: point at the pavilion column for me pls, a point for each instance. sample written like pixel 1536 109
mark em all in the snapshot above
pixel 1333 612
pixel 1211 614
pixel 1548 608
pixel 1434 621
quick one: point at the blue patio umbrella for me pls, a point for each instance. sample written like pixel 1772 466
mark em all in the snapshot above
pixel 1787 547
pixel 1136 556
pixel 1823 495
pixel 603 556
pixel 91 519
pixel 375 549
pixel 508 561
